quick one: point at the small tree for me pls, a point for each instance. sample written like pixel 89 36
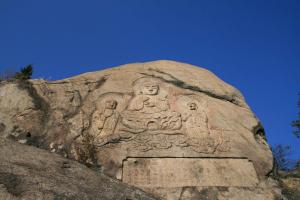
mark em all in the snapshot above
pixel 25 73
pixel 281 162
pixel 86 151
pixel 296 123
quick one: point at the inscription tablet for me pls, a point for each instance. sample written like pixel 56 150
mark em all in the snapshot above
pixel 182 172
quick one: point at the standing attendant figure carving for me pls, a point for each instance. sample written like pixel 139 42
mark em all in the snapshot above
pixel 105 121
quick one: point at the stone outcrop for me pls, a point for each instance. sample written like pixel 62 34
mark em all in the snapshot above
pixel 171 129
pixel 30 173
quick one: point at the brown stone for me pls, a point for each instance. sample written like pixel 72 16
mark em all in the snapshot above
pixel 169 113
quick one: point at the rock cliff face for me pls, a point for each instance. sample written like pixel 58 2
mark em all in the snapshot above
pixel 172 129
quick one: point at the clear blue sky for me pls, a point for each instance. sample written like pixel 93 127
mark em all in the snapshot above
pixel 251 44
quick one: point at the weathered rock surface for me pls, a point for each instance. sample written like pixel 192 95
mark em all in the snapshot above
pixel 30 173
pixel 172 129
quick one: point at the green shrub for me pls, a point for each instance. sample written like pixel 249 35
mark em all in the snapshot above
pixel 25 73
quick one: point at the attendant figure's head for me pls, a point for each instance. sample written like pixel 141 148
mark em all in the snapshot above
pixel 111 104
pixel 192 106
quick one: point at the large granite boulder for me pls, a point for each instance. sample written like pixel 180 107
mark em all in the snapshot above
pixel 169 128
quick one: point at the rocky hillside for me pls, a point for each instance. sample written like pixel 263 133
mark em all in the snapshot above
pixel 172 129
pixel 30 173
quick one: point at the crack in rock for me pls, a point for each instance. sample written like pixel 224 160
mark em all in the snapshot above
pixel 179 83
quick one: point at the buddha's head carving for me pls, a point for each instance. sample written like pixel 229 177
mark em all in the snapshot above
pixel 147 86
pixel 150 89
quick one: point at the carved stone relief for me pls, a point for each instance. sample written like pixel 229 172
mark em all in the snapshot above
pixel 105 120
pixel 106 117
pixel 149 109
pixel 150 118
